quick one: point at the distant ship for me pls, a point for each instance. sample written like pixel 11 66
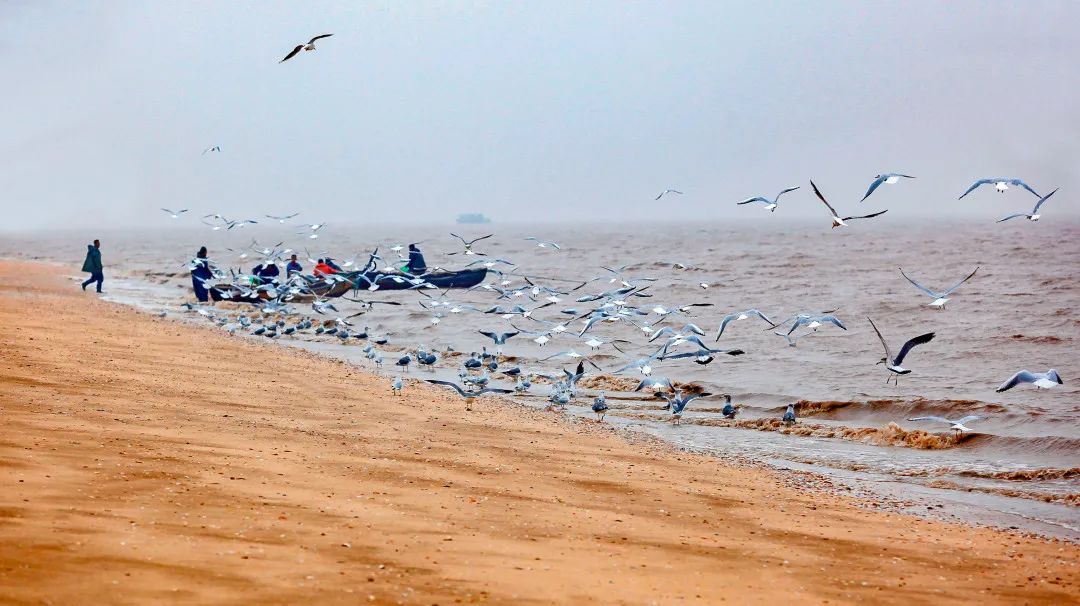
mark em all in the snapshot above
pixel 472 219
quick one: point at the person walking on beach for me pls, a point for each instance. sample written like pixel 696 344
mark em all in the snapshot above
pixel 200 273
pixel 93 266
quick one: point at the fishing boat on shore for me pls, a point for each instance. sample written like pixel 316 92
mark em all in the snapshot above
pixel 356 280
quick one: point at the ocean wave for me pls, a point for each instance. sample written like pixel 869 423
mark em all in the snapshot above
pixel 922 406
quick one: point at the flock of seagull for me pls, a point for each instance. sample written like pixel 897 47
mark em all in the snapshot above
pixel 621 303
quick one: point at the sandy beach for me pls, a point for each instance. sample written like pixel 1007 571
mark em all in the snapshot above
pixel 143 460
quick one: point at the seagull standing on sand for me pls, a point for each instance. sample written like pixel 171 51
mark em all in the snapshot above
pixel 1000 184
pixel 1034 214
pixel 309 46
pixel 893 363
pixel 888 178
pixel 395 386
pixel 678 403
pixel 1044 380
pixel 729 411
pixel 940 298
pixel 957 425
pixel 600 407
pixel 836 220
pixel 668 191
pixel 770 205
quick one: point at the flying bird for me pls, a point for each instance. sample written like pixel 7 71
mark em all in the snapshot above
pixel 1034 214
pixel 888 178
pixel 1045 380
pixel 743 315
pixel 678 403
pixel 544 243
pixel 1000 184
pixel 957 425
pixel 836 220
pixel 770 205
pixel 668 191
pixel 893 363
pixel 215 148
pixel 282 219
pixel 175 213
pixel 940 298
pixel 468 245
pixel 468 395
pixel 310 46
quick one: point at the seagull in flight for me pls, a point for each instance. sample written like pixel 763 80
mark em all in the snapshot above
pixel 175 214
pixel 468 245
pixel 215 148
pixel 888 178
pixel 282 219
pixel 1034 214
pixel 892 363
pixel 468 395
pixel 1000 184
pixel 836 220
pixel 770 205
pixel 678 403
pixel 813 322
pixel 1045 380
pixel 544 244
pixel 742 316
pixel 957 425
pixel 940 298
pixel 668 191
pixel 310 46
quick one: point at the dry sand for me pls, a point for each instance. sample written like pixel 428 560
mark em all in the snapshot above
pixel 143 461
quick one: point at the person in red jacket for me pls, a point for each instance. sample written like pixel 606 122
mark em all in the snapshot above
pixel 322 269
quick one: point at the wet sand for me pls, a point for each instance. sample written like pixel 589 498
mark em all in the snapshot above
pixel 143 460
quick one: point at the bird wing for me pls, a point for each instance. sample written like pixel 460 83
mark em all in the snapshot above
pixel 755 199
pixel 487 334
pixel 492 390
pixel 292 54
pixel 817 192
pixel 754 312
pixel 974 186
pixel 455 386
pixel 784 191
pixel 1020 183
pixel 935 419
pixel 876 183
pixel 925 289
pixel 727 320
pixel 1012 217
pixel 967 419
pixel 475 240
pixel 870 216
pixel 906 349
pixel 1024 376
pixel 832 320
pixel 319 37
pixel 959 284
pixel 1038 204
pixel 888 354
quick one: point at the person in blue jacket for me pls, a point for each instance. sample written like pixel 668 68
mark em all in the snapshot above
pixel 92 265
pixel 416 265
pixel 200 273
pixel 293 267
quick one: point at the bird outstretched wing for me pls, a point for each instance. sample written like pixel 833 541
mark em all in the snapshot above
pixel 870 216
pixel 319 37
pixel 1042 201
pixel 959 284
pixel 292 54
pixel 885 345
pixel 817 193
pixel 1024 376
pixel 906 349
pixel 877 183
pixel 975 186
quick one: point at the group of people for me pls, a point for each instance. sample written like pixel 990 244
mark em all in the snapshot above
pixel 263 273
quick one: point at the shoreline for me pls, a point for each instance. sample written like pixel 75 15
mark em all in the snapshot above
pixel 149 460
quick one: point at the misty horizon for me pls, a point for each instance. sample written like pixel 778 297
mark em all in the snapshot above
pixel 532 113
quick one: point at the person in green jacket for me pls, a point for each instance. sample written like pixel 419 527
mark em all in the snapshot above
pixel 92 265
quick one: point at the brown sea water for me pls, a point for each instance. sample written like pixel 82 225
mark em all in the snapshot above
pixel 1019 311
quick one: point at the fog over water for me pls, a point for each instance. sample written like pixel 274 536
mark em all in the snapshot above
pixel 525 111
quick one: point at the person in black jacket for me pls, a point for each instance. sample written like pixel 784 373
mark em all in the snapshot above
pixel 416 265
pixel 200 273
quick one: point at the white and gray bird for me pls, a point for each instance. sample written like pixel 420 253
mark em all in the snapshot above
pixel 892 363
pixel 770 205
pixel 942 297
pixel 214 148
pixel 600 407
pixel 395 385
pixel 836 220
pixel 308 46
pixel 888 178
pixel 1034 214
pixel 957 425
pixel 1044 380
pixel 668 191
pixel 544 243
pixel 742 315
pixel 789 415
pixel 469 396
pixel 175 213
pixel 1001 184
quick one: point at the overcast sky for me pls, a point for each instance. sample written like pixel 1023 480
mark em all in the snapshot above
pixel 530 110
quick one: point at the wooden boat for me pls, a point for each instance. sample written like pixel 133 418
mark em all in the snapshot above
pixel 357 280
